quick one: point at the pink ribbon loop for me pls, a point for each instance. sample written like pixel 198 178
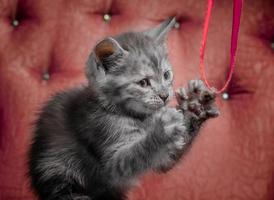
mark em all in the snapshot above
pixel 237 10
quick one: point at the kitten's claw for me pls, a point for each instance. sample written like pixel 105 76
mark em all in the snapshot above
pixel 198 100
pixel 213 112
pixel 181 94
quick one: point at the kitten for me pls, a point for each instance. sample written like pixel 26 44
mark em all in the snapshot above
pixel 94 142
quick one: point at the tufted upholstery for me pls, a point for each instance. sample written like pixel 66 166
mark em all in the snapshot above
pixel 43 48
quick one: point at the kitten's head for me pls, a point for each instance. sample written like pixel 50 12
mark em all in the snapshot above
pixel 132 72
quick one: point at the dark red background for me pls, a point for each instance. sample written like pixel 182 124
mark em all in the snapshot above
pixel 233 158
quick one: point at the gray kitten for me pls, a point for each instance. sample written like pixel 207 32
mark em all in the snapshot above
pixel 94 142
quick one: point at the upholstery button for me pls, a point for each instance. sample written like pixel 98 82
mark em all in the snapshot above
pixel 177 25
pixel 225 96
pixel 46 76
pixel 15 23
pixel 272 45
pixel 107 17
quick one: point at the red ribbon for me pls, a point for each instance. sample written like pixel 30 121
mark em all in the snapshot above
pixel 237 9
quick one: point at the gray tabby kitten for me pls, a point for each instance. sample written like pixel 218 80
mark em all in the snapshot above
pixel 94 142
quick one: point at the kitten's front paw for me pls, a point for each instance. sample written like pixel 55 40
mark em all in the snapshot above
pixel 197 100
pixel 171 120
pixel 173 133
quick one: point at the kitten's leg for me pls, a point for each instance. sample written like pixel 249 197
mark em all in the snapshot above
pixel 172 139
pixel 165 137
pixel 197 103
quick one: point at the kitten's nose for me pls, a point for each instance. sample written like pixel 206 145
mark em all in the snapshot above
pixel 163 97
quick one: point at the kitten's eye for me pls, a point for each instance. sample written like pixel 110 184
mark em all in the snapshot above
pixel 144 82
pixel 167 75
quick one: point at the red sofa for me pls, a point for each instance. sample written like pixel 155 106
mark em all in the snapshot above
pixel 44 45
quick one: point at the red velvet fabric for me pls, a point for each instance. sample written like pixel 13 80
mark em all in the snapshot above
pixel 233 157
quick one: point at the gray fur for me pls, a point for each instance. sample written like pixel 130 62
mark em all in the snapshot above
pixel 94 142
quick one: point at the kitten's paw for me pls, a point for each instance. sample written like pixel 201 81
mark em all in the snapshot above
pixel 174 129
pixel 174 136
pixel 171 153
pixel 197 100
pixel 172 122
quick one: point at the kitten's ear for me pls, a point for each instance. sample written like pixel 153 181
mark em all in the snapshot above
pixel 160 32
pixel 107 51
